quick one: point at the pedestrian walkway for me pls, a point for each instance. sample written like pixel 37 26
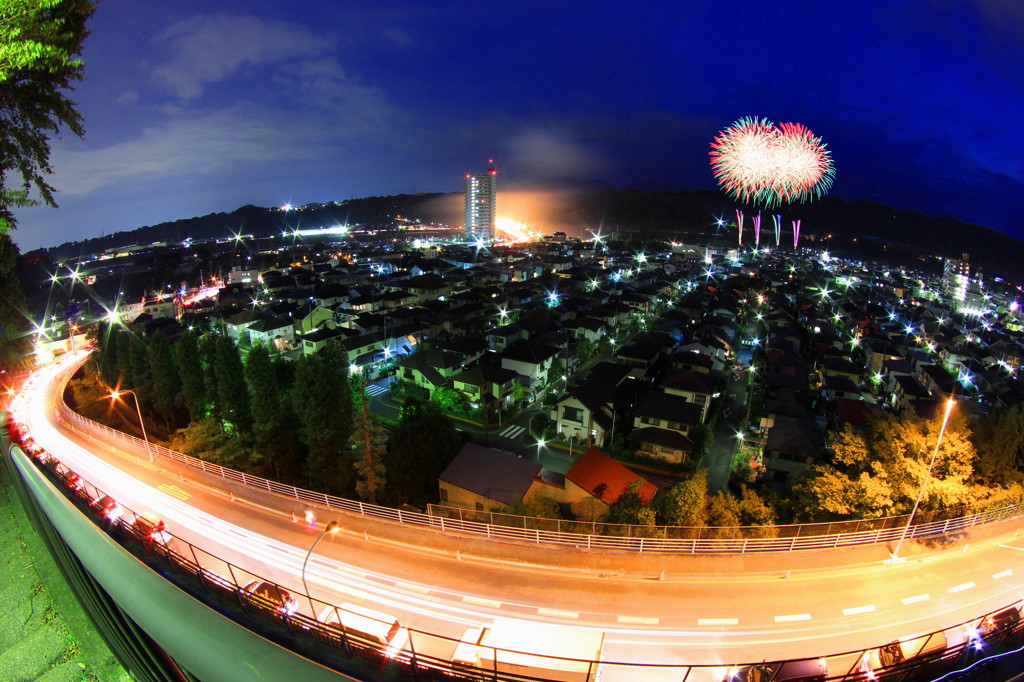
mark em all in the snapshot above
pixel 512 432
pixel 375 390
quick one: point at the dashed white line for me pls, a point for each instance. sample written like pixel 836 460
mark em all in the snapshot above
pixel 793 619
pixel 718 621
pixel 638 620
pixel 482 602
pixel 917 598
pixel 1003 574
pixel 412 588
pixel 858 609
pixel 555 613
pixel 962 587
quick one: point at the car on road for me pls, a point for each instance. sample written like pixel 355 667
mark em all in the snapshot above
pixel 381 629
pixel 807 670
pixel 151 530
pixel 107 507
pixel 264 594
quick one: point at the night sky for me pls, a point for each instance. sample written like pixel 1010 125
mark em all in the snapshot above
pixel 193 107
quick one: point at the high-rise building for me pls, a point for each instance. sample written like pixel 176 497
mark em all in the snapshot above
pixel 480 195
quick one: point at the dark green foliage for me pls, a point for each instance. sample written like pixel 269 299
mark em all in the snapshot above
pixel 207 356
pixel 124 357
pixel 369 444
pixel 998 438
pixel 424 443
pixel 322 400
pixel 15 345
pixel 39 40
pixel 165 378
pixel 232 391
pixel 140 376
pixel 190 374
pixel 265 403
pixel 106 342
pixel 207 439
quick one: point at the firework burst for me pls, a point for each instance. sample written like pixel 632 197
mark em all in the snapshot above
pixel 760 163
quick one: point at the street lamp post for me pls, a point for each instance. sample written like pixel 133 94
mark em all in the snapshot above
pixel 924 483
pixel 331 528
pixel 117 394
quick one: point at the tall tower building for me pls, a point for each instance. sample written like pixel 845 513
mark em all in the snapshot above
pixel 480 194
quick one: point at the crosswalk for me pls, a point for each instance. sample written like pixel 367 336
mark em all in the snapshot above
pixel 512 431
pixel 375 390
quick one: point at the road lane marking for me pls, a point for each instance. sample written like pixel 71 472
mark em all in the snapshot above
pixel 175 491
pixel 858 609
pixel 1019 549
pixel 961 588
pixel 555 613
pixel 482 602
pixel 638 620
pixel 718 621
pixel 916 599
pixel 412 588
pixel 793 619
pixel 1003 574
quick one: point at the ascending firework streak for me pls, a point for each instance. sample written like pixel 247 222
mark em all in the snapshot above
pixel 739 226
pixel 757 230
pixel 796 232
pixel 778 229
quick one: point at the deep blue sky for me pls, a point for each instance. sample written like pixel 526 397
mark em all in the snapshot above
pixel 196 106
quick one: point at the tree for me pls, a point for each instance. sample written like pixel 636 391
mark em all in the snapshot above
pixel 124 357
pixel 449 400
pixel 261 376
pixel 423 444
pixel 206 439
pixel 722 515
pixel 207 355
pixel 323 407
pixel 39 43
pixel 165 377
pixel 703 437
pixel 369 443
pixel 630 509
pixel 754 511
pixel 232 391
pixel 585 351
pixel 190 375
pixel 998 439
pixel 106 342
pixel 15 346
pixel 684 503
pixel 140 374
pixel 880 471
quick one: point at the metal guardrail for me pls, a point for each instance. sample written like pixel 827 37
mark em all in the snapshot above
pixel 665 539
pixel 432 657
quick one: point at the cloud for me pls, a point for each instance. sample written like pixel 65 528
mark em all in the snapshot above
pixel 208 48
pixel 189 145
pixel 325 84
pixel 398 37
pixel 553 154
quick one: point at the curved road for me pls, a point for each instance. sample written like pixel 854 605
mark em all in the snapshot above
pixel 675 610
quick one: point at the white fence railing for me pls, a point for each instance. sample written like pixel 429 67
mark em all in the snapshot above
pixel 666 539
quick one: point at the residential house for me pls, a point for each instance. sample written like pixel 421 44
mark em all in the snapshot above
pixel 662 424
pixel 484 479
pixel 532 361
pixel 593 484
pixel 486 384
pixel 429 369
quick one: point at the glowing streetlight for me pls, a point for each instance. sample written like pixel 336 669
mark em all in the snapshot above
pixel 117 394
pixel 920 493
pixel 331 528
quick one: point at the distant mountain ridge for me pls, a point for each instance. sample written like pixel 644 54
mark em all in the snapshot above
pixel 634 210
